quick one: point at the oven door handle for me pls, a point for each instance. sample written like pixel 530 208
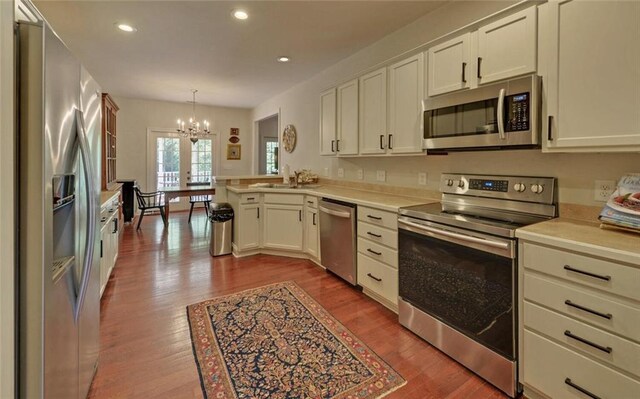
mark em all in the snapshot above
pixel 457 236
pixel 500 115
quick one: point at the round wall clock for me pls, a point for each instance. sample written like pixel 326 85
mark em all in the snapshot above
pixel 289 138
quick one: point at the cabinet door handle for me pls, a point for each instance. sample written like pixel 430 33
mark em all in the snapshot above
pixel 390 142
pixel 606 349
pixel 549 128
pixel 579 388
pixel 374 217
pixel 101 249
pixel 464 72
pixel 310 202
pixel 381 140
pixel 374 252
pixel 258 209
pixel 300 216
pixel 607 316
pixel 374 277
pixel 250 199
pixel 314 219
pixel 337 145
pixel 479 66
pixel 374 234
pixel 586 273
pixel 332 150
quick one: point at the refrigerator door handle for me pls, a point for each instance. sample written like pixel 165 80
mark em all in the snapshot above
pixel 91 214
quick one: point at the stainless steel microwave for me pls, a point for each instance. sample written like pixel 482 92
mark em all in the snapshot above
pixel 501 115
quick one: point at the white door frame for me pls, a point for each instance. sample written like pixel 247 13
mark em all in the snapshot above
pixel 255 162
pixel 152 134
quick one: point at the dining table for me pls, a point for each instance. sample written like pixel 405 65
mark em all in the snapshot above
pixel 186 191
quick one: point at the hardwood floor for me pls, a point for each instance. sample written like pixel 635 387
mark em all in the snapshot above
pixel 145 344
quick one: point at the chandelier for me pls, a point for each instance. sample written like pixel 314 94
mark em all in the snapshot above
pixel 193 130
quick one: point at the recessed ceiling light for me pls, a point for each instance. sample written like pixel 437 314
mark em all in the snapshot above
pixel 283 58
pixel 240 14
pixel 125 27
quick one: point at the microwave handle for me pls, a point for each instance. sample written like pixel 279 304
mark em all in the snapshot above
pixel 500 116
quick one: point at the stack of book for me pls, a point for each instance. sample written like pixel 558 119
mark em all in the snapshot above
pixel 622 211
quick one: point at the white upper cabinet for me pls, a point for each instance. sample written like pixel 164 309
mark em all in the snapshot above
pixel 328 122
pixel 449 65
pixel 590 62
pixel 373 112
pixel 507 47
pixel 347 135
pixel 406 92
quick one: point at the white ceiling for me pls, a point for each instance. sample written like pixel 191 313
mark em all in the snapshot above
pixel 182 45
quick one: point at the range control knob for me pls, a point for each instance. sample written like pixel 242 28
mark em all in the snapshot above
pixel 461 184
pixel 537 188
pixel 519 187
pixel 449 182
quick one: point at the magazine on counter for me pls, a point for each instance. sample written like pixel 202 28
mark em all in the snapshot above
pixel 623 207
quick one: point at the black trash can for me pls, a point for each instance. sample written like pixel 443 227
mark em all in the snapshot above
pixel 221 219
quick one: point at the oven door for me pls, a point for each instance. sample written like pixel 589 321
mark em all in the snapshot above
pixel 499 115
pixel 462 278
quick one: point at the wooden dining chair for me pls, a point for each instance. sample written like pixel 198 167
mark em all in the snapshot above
pixel 194 199
pixel 147 201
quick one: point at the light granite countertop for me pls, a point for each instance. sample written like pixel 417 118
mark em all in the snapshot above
pixel 106 196
pixel 586 237
pixel 378 200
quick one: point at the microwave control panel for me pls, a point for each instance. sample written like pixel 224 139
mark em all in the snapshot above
pixel 517 108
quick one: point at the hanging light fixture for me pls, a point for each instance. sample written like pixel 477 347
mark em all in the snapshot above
pixel 193 130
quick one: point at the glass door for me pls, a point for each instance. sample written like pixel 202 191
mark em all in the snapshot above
pixel 175 161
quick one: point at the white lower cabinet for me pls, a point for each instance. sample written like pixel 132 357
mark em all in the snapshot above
pixel 378 277
pixel 282 227
pixel 579 322
pixel 248 226
pixel 312 232
pixel 109 245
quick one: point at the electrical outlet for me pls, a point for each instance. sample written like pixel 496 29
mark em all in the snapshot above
pixel 603 190
pixel 381 175
pixel 326 172
pixel 340 172
pixel 422 178
pixel 360 174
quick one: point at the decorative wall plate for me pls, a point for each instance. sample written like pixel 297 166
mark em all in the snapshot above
pixel 234 139
pixel 289 138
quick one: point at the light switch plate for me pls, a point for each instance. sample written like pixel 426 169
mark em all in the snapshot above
pixel 340 172
pixel 360 174
pixel 326 172
pixel 422 178
pixel 381 175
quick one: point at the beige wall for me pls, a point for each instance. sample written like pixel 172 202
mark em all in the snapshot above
pixel 7 222
pixel 136 116
pixel 300 106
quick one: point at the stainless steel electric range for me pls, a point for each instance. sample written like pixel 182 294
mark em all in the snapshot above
pixel 458 268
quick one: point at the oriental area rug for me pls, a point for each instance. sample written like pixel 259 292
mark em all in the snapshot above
pixel 276 342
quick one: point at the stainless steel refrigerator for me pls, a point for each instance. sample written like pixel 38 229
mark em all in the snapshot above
pixel 59 120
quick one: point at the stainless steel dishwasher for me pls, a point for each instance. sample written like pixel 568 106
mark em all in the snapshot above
pixel 338 238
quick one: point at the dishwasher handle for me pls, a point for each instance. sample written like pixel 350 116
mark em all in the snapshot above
pixel 332 212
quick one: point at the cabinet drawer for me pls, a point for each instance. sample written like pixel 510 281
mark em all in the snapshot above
pixel 311 202
pixel 378 235
pixel 621 319
pixel 250 198
pixel 378 252
pixel 378 218
pixel 548 365
pixel 378 277
pixel 623 354
pixel 608 276
pixel 286 199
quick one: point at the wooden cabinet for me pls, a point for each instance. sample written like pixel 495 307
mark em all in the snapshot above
pixel 109 239
pixel 311 232
pixel 578 318
pixel 449 65
pixel 328 120
pixel 109 154
pixel 248 226
pixel 406 92
pixel 347 119
pixel 591 75
pixel 373 112
pixel 283 227
pixel 507 47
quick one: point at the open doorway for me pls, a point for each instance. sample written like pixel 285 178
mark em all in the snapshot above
pixel 268 145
